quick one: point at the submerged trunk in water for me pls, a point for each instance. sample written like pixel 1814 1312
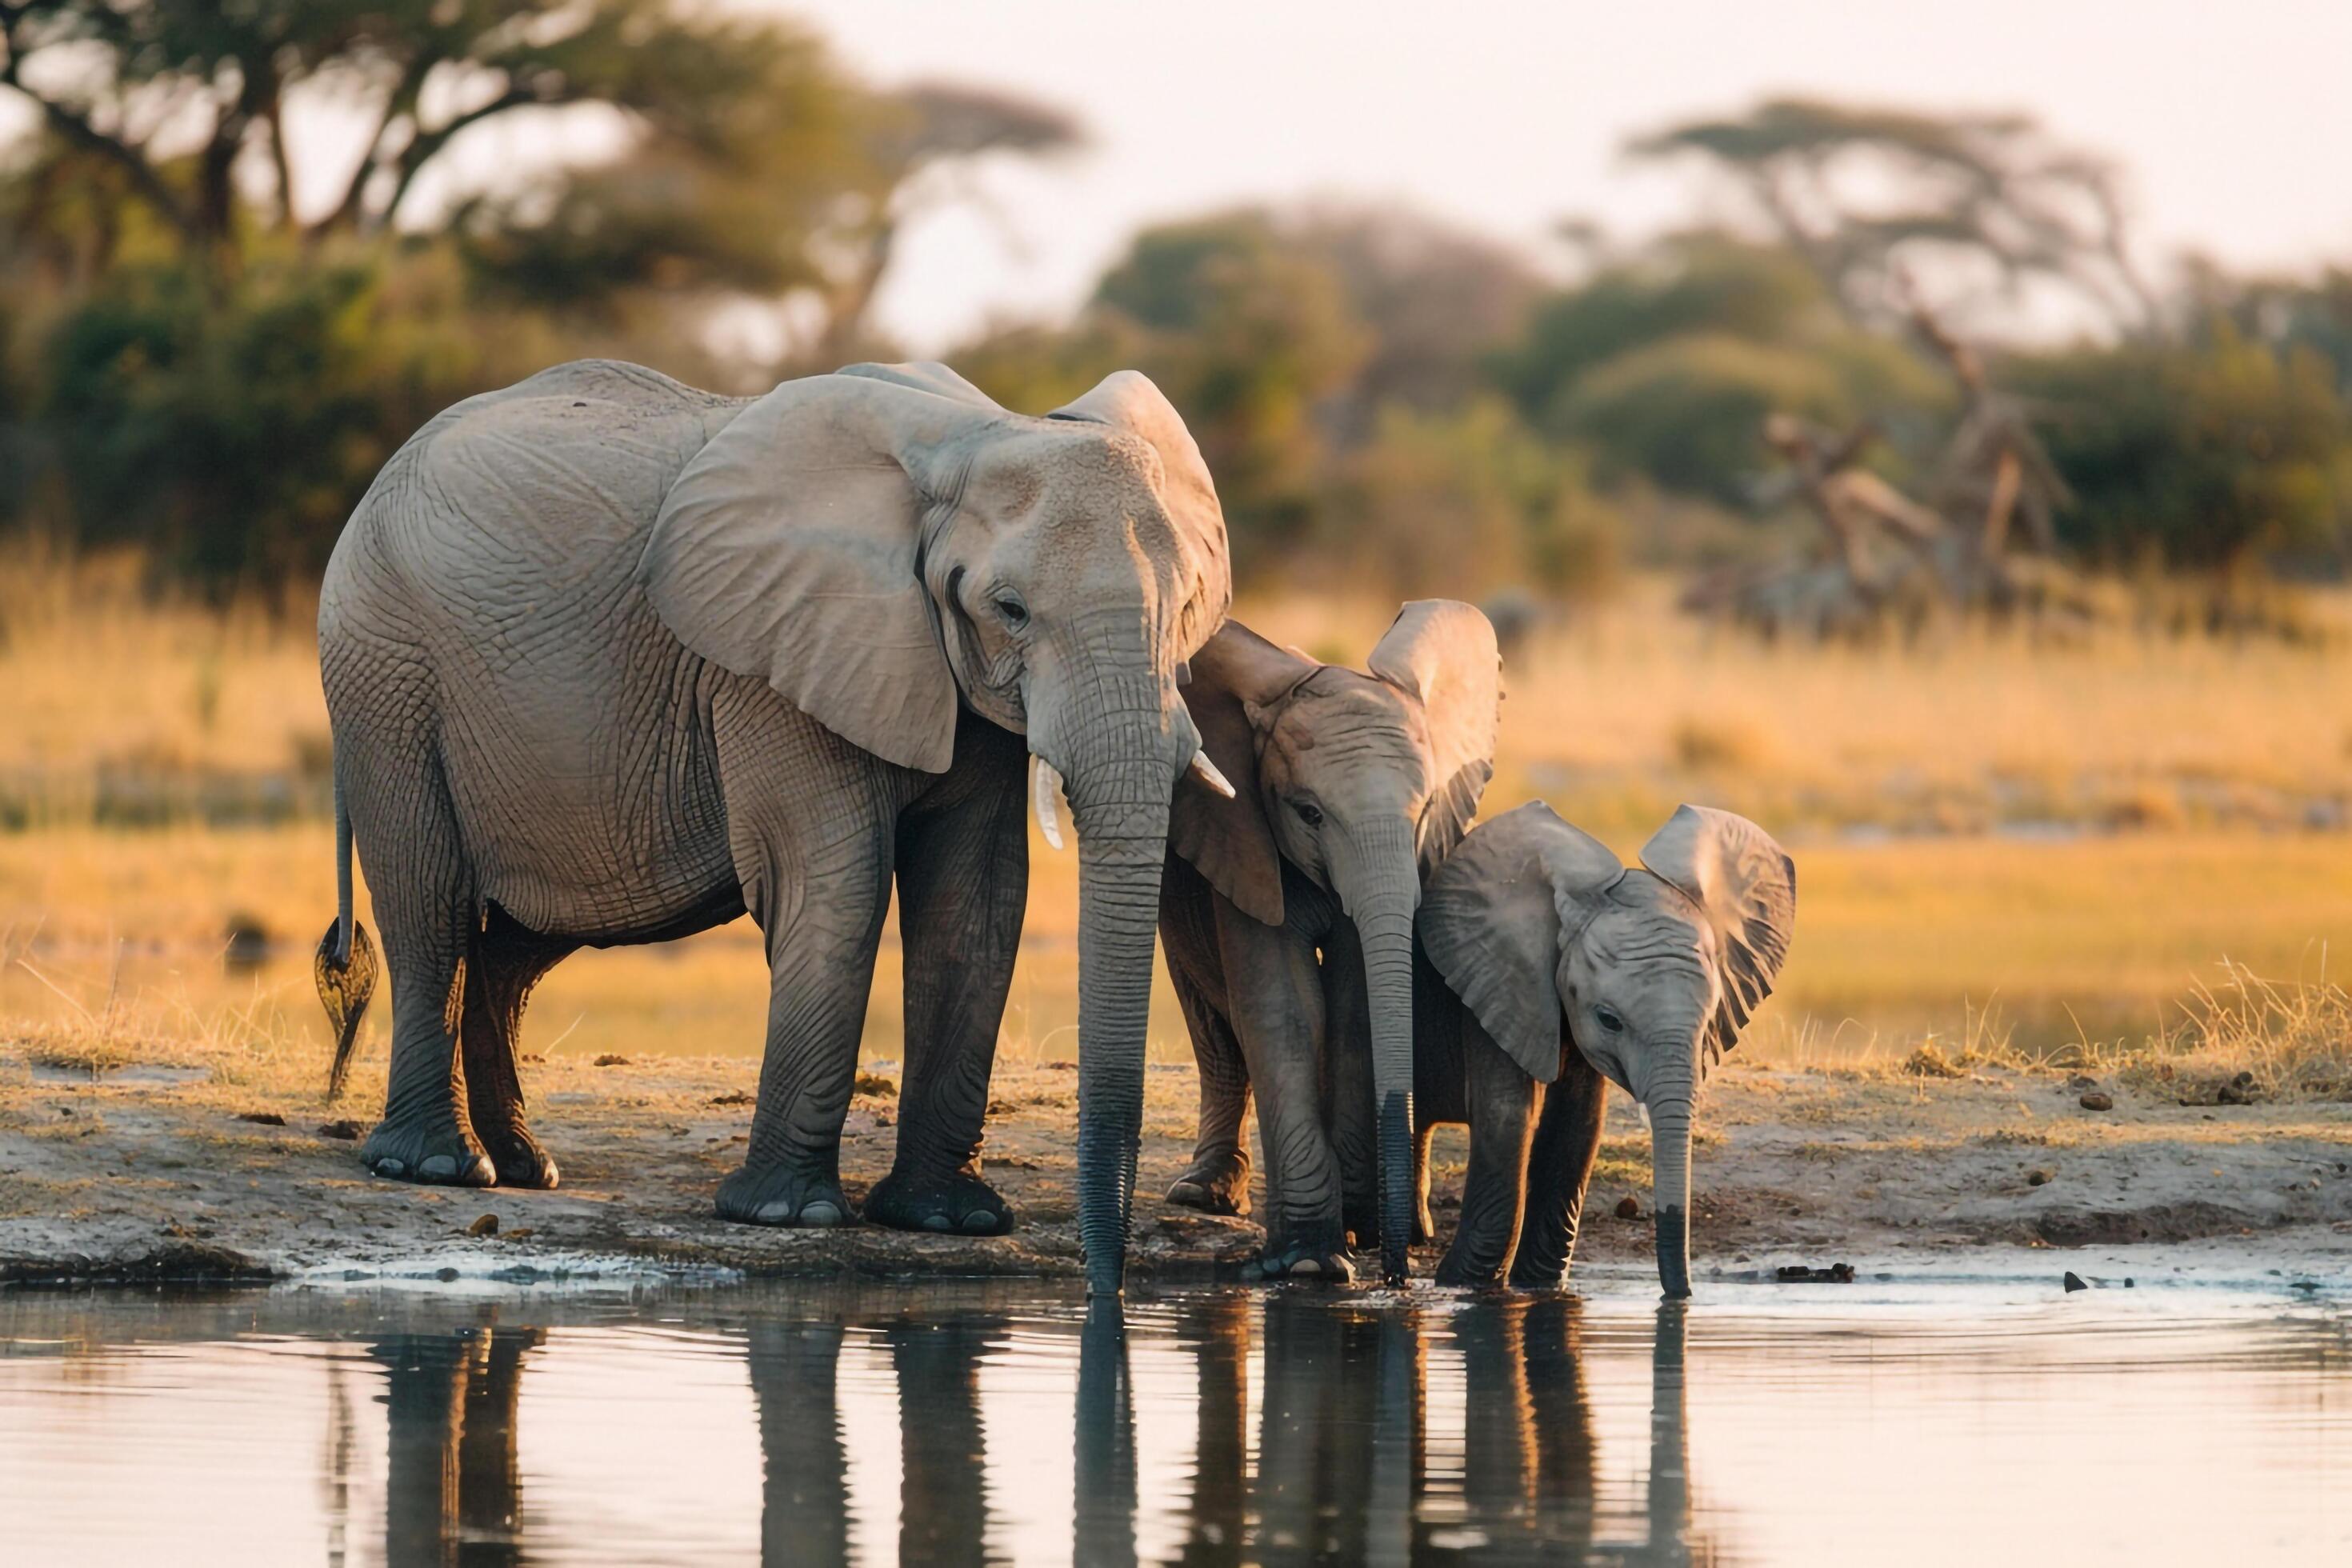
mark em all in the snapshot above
pixel 1670 1187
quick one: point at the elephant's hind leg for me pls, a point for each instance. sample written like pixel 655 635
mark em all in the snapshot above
pixel 1218 1179
pixel 503 961
pixel 408 839
pixel 963 886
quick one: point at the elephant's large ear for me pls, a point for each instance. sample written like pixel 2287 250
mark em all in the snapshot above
pixel 1491 921
pixel 1127 400
pixel 1443 652
pixel 1746 886
pixel 787 550
pixel 1230 842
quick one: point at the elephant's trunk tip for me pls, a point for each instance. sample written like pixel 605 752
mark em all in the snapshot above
pixel 1673 1254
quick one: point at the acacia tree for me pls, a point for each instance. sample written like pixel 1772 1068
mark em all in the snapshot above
pixel 1858 191
pixel 187 100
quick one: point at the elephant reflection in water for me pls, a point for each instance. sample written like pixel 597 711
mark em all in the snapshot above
pixel 1342 1472
pixel 453 1491
pixel 943 1514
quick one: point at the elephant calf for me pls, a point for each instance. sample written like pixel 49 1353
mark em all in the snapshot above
pixel 1551 967
pixel 1286 909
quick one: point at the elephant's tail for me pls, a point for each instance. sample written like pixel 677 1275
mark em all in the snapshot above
pixel 345 967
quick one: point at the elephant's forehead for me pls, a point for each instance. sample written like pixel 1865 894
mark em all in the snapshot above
pixel 1644 923
pixel 1064 466
pixel 1342 719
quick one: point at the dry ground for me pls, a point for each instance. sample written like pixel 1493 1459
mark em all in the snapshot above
pixel 149 1170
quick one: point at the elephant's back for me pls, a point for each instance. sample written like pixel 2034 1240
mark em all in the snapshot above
pixel 558 477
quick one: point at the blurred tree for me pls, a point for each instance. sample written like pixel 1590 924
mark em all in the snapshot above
pixel 1252 337
pixel 1855 190
pixel 2199 453
pixel 181 96
pixel 1666 364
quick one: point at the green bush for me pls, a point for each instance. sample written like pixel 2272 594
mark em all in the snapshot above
pixel 2202 454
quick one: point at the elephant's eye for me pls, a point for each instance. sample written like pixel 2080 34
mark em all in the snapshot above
pixel 1609 1020
pixel 1014 612
pixel 1308 812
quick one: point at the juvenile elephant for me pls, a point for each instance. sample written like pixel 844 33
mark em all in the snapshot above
pixel 610 660
pixel 1348 789
pixel 1556 968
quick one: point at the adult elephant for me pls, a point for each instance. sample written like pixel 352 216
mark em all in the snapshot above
pixel 610 660
pixel 1288 913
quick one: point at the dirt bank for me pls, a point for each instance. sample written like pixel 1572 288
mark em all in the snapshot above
pixel 146 1171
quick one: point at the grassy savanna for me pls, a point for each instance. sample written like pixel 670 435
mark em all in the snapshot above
pixel 2002 844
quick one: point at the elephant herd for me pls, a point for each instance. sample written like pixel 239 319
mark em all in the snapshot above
pixel 612 661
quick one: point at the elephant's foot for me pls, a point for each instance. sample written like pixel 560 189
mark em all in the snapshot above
pixel 961 1204
pixel 438 1152
pixel 1218 1182
pixel 1308 1253
pixel 521 1162
pixel 1457 1270
pixel 783 1195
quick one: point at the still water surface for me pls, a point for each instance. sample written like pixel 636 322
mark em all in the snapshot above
pixel 962 1424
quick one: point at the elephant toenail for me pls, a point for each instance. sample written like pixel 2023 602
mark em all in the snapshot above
pixel 1307 1266
pixel 978 1222
pixel 938 1222
pixel 776 1213
pixel 438 1167
pixel 821 1213
pixel 392 1168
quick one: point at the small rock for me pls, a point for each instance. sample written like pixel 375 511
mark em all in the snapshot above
pixel 2073 1282
pixel 486 1226
pixel 444 1275
pixel 2244 1080
pixel 2082 1080
pixel 2038 1178
pixel 2097 1100
pixel 1803 1274
pixel 1061 1067
pixel 262 1118
pixel 736 1097
pixel 610 1060
pixel 347 1130
pixel 1629 1208
pixel 2231 1094
pixel 519 1233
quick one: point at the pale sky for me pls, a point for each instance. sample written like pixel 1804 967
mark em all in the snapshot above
pixel 2235 120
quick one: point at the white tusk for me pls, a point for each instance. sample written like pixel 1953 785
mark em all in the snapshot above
pixel 1041 795
pixel 1209 776
pixel 1645 1116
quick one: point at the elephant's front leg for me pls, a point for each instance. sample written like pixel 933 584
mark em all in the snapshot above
pixel 1501 1101
pixel 963 886
pixel 1276 990
pixel 820 904
pixel 1559 1169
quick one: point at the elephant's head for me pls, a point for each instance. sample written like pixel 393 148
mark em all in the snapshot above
pixel 1649 974
pixel 1364 783
pixel 883 544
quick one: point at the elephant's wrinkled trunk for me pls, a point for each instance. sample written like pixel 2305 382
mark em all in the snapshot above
pixel 1121 811
pixel 1380 884
pixel 1670 1188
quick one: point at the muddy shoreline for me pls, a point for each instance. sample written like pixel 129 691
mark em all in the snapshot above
pixel 151 1174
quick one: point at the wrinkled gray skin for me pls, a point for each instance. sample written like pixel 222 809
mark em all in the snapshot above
pixel 1556 970
pixel 612 661
pixel 1350 787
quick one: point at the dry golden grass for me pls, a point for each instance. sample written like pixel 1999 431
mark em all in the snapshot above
pixel 2003 846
